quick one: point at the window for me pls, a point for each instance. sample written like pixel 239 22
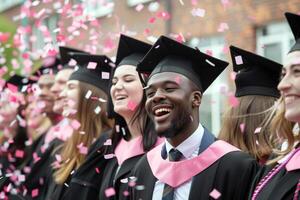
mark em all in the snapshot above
pixel 6 4
pixel 210 108
pixel 274 41
pixel 96 8
pixel 136 2
pixel 40 41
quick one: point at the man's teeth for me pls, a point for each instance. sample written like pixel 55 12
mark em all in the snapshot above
pixel 160 110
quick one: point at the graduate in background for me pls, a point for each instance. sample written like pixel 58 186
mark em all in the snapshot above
pixel 84 103
pixel 246 126
pixel 280 179
pixel 132 135
pixel 191 163
pixel 13 149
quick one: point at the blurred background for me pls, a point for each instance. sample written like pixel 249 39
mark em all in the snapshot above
pixel 31 30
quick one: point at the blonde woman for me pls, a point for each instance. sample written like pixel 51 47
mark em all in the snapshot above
pixel 85 98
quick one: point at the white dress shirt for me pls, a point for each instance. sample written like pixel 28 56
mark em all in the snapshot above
pixel 189 148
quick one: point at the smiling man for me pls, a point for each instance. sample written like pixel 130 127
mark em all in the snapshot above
pixel 191 164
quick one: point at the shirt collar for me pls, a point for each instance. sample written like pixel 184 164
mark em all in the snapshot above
pixel 189 145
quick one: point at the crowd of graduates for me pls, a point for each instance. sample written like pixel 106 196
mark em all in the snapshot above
pixel 85 127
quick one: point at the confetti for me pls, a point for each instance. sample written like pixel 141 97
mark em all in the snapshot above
pixel 257 130
pixel 198 12
pixel 19 154
pixel 88 94
pixel 105 75
pixel 209 62
pixel 107 142
pixel 126 193
pixel 178 80
pixel 72 62
pixel 152 20
pixel 233 101
pixel 34 193
pixel 110 192
pixel 83 149
pixel 97 110
pixel 97 170
pixel 109 156
pixel 242 127
pixel 92 65
pixel 215 194
pixel 238 60
pixel 75 124
pixel 222 27
pixel 181 2
pixel 139 7
pixel 12 88
pixel 131 105
pixel 232 75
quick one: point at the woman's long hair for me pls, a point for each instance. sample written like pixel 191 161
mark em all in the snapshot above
pixel 241 122
pixel 282 130
pixel 92 125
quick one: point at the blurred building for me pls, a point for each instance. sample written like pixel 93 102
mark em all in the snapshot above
pixel 210 25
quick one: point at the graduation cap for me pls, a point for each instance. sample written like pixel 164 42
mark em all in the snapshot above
pixel 294 22
pixel 65 56
pixel 130 51
pixel 19 81
pixel 92 69
pixel 256 75
pixel 168 55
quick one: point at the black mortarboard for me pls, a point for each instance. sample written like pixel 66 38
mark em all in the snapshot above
pixel 93 69
pixel 65 56
pixel 130 51
pixel 256 75
pixel 167 55
pixel 294 22
pixel 19 81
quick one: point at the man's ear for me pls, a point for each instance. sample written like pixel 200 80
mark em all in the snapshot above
pixel 197 96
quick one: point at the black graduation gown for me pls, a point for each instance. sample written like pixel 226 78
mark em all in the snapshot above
pixel 281 187
pixel 84 182
pixel 113 180
pixel 231 175
pixel 40 175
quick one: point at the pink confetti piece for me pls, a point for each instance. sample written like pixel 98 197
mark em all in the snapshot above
pixel 238 60
pixel 105 75
pixel 92 65
pixel 75 124
pixel 257 130
pixel 232 75
pixel 222 27
pixel 108 142
pixel 12 88
pixel 72 62
pixel 152 20
pixel 242 127
pixel 34 193
pixel 110 192
pixel 19 154
pixel 109 156
pixel 198 12
pixel 126 193
pixel 215 194
pixel 97 170
pixel 83 150
pixel 131 105
pixel 233 101
pixel 178 80
pixel 139 7
pixel 194 2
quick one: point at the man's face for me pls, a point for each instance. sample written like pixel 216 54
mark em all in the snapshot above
pixel 169 103
pixel 46 97
pixel 60 82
